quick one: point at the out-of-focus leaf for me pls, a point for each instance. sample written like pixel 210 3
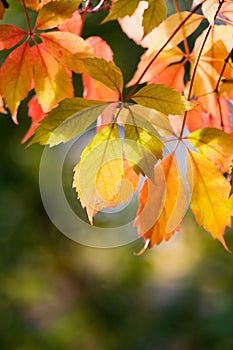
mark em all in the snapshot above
pixel 10 36
pixel 56 12
pixel 16 76
pixel 215 145
pixel 73 24
pixel 68 120
pixel 153 15
pixel 105 72
pixel 121 8
pixel 99 173
pixel 209 9
pixel 162 99
pixel 209 195
pixel 162 203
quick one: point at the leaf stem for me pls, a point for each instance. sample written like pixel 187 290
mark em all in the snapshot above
pixel 134 87
pixel 185 41
pixel 84 15
pixel 30 31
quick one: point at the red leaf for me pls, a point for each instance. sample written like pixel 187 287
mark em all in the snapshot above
pixel 10 36
pixel 73 24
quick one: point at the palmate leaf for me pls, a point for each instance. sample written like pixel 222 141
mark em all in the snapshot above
pixel 72 117
pixel 162 203
pixel 209 9
pixel 56 12
pixel 215 145
pixel 160 98
pixel 10 36
pixel 209 195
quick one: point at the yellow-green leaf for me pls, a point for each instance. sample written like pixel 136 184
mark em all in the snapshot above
pixel 98 175
pixel 72 117
pixel 153 15
pixel 121 8
pixel 162 99
pixel 105 72
pixel 56 12
pixel 209 195
pixel 215 145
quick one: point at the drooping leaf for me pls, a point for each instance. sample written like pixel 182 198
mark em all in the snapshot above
pixel 215 145
pixel 53 82
pixel 160 98
pixel 99 173
pixel 68 120
pixel 94 89
pixel 169 25
pixel 56 12
pixel 162 203
pixel 10 36
pixel 142 149
pixel 150 20
pixel 121 8
pixel 16 76
pixel 209 195
pixel 105 72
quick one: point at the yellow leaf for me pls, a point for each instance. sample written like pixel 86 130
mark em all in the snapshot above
pixel 209 195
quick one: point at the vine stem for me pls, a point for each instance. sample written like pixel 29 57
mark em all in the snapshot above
pixel 131 92
pixel 196 65
pixel 30 31
pixel 84 15
pixel 185 41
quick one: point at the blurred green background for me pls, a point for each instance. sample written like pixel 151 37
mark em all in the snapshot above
pixel 56 294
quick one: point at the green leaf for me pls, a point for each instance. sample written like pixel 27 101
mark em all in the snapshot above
pixel 105 72
pixel 121 8
pixel 160 98
pixel 215 145
pixel 72 117
pixel 55 13
pixel 150 20
pixel 142 149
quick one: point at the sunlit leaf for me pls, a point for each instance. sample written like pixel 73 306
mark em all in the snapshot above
pixel 209 9
pixel 209 195
pixel 56 12
pixel 160 98
pixel 150 20
pixel 162 203
pixel 105 72
pixel 121 8
pixel 215 145
pixel 68 120
pixel 16 76
pixel 73 24
pixel 10 36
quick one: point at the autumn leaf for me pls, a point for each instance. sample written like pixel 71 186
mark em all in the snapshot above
pixel 209 195
pixel 72 25
pixel 215 145
pixel 121 8
pixel 150 21
pixel 55 12
pixel 10 36
pixel 16 76
pixel 160 98
pixel 209 9
pixel 99 173
pixel 68 120
pixel 162 203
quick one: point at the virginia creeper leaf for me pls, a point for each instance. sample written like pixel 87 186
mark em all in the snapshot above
pixel 169 25
pixel 52 80
pixel 16 76
pixel 231 180
pixel 73 24
pixel 97 176
pixel 209 195
pixel 121 8
pixel 105 72
pixel 68 120
pixel 215 145
pixel 209 9
pixel 56 12
pixel 162 203
pixel 162 99
pixel 10 36
pixel 153 15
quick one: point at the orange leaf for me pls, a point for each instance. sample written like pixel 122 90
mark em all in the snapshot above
pixel 10 36
pixel 209 195
pixel 73 24
pixel 162 203
pixel 16 77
